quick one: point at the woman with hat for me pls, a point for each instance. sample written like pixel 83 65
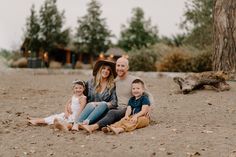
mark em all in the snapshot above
pixel 100 95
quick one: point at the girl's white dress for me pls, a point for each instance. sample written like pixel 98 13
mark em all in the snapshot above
pixel 75 106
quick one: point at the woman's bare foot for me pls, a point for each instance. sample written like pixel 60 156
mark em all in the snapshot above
pixel 59 126
pixel 75 127
pixel 86 128
pixel 85 122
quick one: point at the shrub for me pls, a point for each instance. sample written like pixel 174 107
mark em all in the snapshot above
pixel 176 61
pixel 202 61
pixel 143 60
pixel 186 60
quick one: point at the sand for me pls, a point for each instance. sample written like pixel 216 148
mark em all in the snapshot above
pixel 202 123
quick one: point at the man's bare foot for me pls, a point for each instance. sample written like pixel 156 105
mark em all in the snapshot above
pixel 106 130
pixel 59 126
pixel 86 128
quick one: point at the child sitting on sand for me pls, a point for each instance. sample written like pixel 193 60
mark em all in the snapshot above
pixel 136 113
pixel 76 104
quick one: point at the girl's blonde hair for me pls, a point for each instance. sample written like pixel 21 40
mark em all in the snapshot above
pixel 98 79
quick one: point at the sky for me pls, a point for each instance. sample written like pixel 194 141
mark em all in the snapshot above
pixel 165 14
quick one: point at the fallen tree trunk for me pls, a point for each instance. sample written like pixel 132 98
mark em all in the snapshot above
pixel 216 80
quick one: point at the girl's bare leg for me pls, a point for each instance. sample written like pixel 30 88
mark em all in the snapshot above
pixel 59 125
pixel 36 121
pixel 69 126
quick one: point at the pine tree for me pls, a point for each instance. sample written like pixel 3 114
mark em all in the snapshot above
pixel 92 34
pixel 139 32
pixel 51 20
pixel 32 31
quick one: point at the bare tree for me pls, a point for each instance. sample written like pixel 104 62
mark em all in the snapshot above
pixel 224 55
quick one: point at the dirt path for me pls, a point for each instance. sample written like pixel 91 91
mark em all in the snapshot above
pixel 199 124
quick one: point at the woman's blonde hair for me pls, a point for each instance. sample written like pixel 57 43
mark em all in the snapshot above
pixel 98 79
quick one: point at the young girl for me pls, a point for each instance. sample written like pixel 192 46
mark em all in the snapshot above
pixel 73 108
pixel 136 113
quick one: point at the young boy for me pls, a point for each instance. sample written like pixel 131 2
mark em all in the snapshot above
pixel 136 113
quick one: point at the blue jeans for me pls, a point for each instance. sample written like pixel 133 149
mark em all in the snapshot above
pixel 91 113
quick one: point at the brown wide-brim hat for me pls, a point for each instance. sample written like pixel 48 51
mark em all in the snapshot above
pixel 99 63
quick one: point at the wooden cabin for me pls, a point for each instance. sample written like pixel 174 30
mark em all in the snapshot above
pixel 114 53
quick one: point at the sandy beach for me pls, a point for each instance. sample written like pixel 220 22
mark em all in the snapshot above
pixel 202 123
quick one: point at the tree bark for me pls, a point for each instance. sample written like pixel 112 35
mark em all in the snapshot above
pixel 224 55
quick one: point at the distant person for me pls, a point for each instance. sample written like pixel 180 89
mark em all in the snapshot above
pixel 73 109
pixel 136 113
pixel 123 92
pixel 101 93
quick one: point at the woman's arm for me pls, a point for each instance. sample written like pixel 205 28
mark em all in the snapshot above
pixel 113 99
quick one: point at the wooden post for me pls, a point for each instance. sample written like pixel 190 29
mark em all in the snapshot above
pixel 68 57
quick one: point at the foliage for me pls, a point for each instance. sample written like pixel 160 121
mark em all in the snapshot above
pixel 32 31
pixel 176 61
pixel 198 22
pixel 143 59
pixel 202 61
pixel 176 40
pixel 185 60
pixel 6 54
pixel 51 21
pixel 139 32
pixel 92 34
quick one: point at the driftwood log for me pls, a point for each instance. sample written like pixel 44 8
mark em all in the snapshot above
pixel 216 80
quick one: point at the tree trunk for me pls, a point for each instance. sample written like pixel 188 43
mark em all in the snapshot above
pixel 224 55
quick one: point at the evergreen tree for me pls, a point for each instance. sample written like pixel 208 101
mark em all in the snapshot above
pixel 51 20
pixel 139 32
pixel 92 34
pixel 32 31
pixel 198 22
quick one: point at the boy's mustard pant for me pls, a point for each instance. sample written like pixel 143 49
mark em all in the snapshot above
pixel 127 125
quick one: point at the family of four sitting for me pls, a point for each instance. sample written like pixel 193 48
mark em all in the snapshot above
pixel 112 101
